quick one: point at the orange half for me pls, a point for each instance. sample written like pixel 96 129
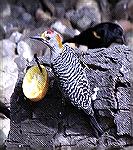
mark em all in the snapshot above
pixel 35 83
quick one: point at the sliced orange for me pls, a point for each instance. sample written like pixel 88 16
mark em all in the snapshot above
pixel 35 83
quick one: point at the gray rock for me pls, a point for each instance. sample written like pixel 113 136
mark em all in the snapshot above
pixel 27 5
pixel 4 129
pixel 2 33
pixel 27 48
pixel 24 50
pixel 11 24
pixel 85 3
pixel 17 11
pixel 123 121
pixel 15 37
pixel 5 9
pixel 109 72
pixel 63 29
pixel 7 48
pixel 83 17
pixel 62 125
pixel 59 10
pixel 27 17
pixel 21 63
pixel 42 16
pixel 8 78
pixel 120 10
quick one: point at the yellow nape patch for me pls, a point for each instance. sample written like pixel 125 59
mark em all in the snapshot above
pixel 96 35
pixel 43 35
pixel 59 40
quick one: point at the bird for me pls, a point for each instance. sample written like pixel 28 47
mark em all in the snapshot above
pixel 70 74
pixel 4 110
pixel 102 35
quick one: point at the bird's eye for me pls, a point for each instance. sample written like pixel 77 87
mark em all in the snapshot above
pixel 47 38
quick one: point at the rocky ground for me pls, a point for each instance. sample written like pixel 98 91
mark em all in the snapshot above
pixel 21 19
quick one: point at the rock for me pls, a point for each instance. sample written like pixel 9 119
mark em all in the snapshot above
pixel 126 25
pixel 123 121
pixel 120 10
pixel 130 10
pixel 8 78
pixel 15 37
pixel 7 48
pixel 67 127
pixel 105 9
pixel 24 50
pixel 28 47
pixel 60 27
pixel 69 4
pixel 21 63
pixel 11 24
pixel 109 72
pixel 27 17
pixel 83 17
pixel 59 10
pixel 5 9
pixel 17 21
pixel 59 139
pixel 2 33
pixel 85 3
pixel 129 37
pixel 31 9
pixel 17 11
pixel 40 15
pixel 4 130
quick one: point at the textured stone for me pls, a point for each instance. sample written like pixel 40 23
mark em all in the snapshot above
pixel 7 48
pixel 62 126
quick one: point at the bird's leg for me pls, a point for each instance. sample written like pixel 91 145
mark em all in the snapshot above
pixel 96 125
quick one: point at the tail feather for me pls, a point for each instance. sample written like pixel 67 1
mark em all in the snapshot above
pixel 96 125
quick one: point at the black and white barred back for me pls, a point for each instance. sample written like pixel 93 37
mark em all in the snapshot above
pixel 73 79
pixel 71 75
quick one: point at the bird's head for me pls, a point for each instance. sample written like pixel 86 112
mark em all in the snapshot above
pixel 52 39
pixel 108 33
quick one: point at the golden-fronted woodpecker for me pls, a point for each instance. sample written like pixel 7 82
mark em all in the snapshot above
pixel 71 75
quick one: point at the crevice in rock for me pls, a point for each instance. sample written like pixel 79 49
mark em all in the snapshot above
pixel 95 67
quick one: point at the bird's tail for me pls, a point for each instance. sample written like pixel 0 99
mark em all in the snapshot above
pixel 96 125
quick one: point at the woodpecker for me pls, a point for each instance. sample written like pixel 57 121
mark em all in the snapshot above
pixel 99 36
pixel 71 75
pixel 4 110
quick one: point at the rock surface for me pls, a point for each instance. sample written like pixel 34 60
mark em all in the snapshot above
pixel 62 126
pixel 110 73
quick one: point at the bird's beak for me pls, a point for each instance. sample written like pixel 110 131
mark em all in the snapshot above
pixel 39 38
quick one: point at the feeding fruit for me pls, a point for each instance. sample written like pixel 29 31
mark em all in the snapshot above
pixel 35 83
